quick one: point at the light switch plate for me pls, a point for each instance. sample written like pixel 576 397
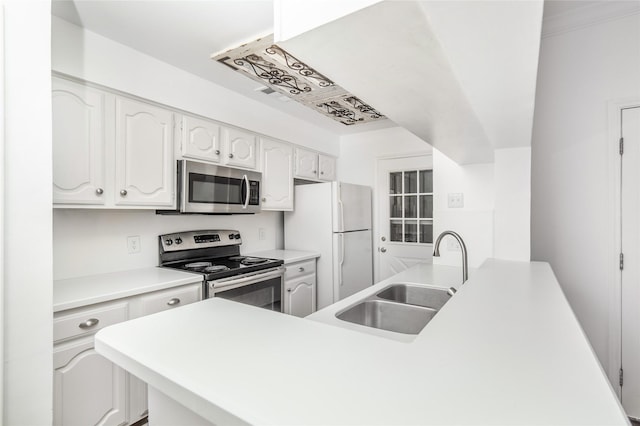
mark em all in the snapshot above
pixel 455 200
pixel 262 234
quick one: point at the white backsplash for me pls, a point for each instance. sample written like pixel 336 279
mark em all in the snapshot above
pixel 87 242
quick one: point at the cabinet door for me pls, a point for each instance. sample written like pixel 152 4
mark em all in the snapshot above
pixel 240 148
pixel 88 389
pixel 144 155
pixel 277 175
pixel 200 139
pixel 327 167
pixel 300 296
pixel 306 164
pixel 78 144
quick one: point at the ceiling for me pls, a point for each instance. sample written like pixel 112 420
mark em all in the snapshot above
pixel 186 33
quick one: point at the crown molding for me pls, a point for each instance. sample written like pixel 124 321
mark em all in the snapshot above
pixel 586 16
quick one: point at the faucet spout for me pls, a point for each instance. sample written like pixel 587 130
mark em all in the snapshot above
pixel 463 248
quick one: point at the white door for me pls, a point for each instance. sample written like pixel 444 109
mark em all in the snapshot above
pixel 200 139
pixel 306 164
pixel 404 234
pixel 277 175
pixel 326 167
pixel 240 148
pixel 300 297
pixel 144 154
pixel 630 247
pixel 352 263
pixel 78 144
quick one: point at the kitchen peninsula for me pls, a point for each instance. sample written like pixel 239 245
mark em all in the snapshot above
pixel 506 349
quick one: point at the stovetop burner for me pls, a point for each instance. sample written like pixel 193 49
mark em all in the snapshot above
pixel 196 266
pixel 216 268
pixel 253 260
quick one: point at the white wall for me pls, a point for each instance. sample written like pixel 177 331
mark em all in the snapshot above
pixel 571 221
pixel 474 221
pixel 94 242
pixel 27 322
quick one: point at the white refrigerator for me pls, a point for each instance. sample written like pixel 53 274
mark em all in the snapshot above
pixel 333 219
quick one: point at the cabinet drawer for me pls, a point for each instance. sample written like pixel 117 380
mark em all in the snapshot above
pixel 88 320
pixel 299 268
pixel 171 298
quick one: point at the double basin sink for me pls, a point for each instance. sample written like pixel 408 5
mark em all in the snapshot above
pixel 401 308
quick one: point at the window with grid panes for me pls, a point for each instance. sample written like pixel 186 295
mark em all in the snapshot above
pixel 411 206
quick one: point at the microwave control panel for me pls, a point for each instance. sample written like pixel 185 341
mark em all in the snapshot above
pixel 254 193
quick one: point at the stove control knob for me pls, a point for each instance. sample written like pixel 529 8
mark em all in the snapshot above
pixel 231 236
pixel 237 236
pixel 178 240
pixel 168 241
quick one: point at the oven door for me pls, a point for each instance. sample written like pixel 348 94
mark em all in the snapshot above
pixel 206 188
pixel 262 288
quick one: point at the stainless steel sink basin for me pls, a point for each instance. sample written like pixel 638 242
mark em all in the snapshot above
pixel 400 318
pixel 433 298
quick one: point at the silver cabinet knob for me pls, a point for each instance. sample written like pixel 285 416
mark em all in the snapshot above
pixel 288 290
pixel 321 173
pixel 217 152
pixel 230 155
pixel 99 191
pixel 91 322
pixel 384 238
pixel 383 250
pixel 264 199
pixel 313 171
pixel 301 269
pixel 123 192
pixel 173 301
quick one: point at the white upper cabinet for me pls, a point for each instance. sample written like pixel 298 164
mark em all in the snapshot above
pixel 78 149
pixel 240 148
pixel 199 139
pixel 277 175
pixel 144 154
pixel 314 166
pixel 326 167
pixel 110 151
pixel 306 164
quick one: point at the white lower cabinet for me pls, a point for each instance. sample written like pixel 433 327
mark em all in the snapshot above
pixel 88 388
pixel 300 288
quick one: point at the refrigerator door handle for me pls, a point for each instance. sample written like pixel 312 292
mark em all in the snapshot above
pixel 341 257
pixel 341 205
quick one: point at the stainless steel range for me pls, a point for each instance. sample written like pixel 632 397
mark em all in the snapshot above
pixel 216 255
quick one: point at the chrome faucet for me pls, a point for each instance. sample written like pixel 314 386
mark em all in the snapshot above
pixel 463 248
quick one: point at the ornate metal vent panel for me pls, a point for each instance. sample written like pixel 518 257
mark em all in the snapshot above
pixel 275 68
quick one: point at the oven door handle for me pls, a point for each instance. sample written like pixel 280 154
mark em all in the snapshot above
pixel 247 193
pixel 243 280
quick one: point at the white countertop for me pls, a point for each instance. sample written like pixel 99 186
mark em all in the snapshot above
pixel 288 256
pixel 506 349
pixel 81 291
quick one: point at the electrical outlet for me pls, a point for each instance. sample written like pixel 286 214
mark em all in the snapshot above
pixel 133 244
pixel 262 234
pixel 455 200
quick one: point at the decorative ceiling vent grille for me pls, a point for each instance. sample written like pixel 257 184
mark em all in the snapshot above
pixel 271 65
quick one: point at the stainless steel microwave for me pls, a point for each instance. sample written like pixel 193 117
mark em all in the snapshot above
pixel 210 189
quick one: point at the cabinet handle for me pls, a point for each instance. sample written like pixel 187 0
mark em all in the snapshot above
pixel 230 155
pixel 99 191
pixel 264 199
pixel 217 152
pixel 123 192
pixel 301 269
pixel 321 173
pixel 91 322
pixel 173 301
pixel 313 171
pixel 288 290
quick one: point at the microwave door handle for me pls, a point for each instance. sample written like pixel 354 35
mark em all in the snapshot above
pixel 246 191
